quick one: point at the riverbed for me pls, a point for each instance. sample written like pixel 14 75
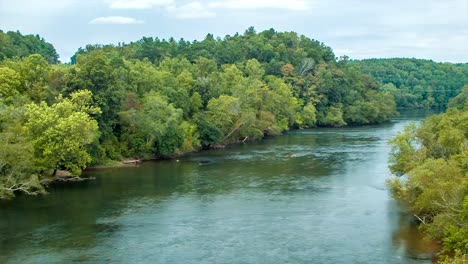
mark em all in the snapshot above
pixel 309 196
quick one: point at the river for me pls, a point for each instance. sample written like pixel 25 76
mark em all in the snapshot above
pixel 310 196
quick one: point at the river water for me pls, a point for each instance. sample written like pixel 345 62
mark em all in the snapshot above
pixel 310 196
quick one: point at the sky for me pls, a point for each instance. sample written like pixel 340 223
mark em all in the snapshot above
pixel 427 29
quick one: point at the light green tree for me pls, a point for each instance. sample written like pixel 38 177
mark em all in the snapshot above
pixel 61 132
pixel 17 170
pixel 10 82
pixel 309 115
pixel 225 113
pixel 432 162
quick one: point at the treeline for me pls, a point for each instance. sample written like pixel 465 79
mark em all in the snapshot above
pixel 432 162
pixel 14 44
pixel 417 83
pixel 271 48
pixel 157 98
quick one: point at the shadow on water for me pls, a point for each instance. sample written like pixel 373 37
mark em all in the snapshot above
pixel 407 237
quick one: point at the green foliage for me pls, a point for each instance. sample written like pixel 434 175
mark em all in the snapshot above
pixel 417 83
pixel 14 44
pixel 432 161
pixel 331 116
pixel 154 129
pixel 159 98
pixel 17 171
pixel 309 115
pixel 404 151
pixel 225 113
pixel 160 124
pixel 61 132
pixel 29 76
pixel 461 100
pixel 210 134
pixel 10 82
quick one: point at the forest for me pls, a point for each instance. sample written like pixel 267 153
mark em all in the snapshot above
pixel 417 83
pixel 431 161
pixel 159 98
pixel 14 44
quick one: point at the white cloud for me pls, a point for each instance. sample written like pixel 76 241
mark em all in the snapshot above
pixel 119 20
pixel 140 4
pixel 358 28
pixel 296 5
pixel 191 10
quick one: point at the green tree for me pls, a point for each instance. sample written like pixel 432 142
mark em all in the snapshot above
pixel 331 116
pixel 225 112
pixel 461 100
pixel 431 161
pixel 309 115
pixel 17 170
pixel 14 44
pixel 61 132
pixel 10 82
pixel 417 83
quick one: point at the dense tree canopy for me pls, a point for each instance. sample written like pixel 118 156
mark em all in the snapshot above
pixel 60 132
pixel 417 83
pixel 14 44
pixel 432 162
pixel 158 98
pixel 37 139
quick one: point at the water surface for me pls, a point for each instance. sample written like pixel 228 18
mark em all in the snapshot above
pixel 310 196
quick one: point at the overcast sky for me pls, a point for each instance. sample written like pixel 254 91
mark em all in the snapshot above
pixel 429 29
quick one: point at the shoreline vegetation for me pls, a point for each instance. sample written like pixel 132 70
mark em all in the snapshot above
pixel 156 98
pixel 159 98
pixel 430 164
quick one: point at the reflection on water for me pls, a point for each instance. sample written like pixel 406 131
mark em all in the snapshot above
pixel 408 239
pixel 311 196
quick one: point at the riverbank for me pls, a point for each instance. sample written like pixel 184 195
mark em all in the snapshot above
pixel 132 162
pixel 247 200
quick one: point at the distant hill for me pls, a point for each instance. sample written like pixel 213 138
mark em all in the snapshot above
pixel 14 44
pixel 417 83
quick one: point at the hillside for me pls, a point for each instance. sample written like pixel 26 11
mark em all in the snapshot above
pixel 14 44
pixel 417 83
pixel 155 98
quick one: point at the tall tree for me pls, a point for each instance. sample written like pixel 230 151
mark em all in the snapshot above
pixel 60 133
